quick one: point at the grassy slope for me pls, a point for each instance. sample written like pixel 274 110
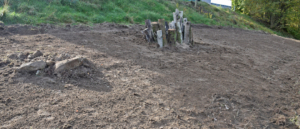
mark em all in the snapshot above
pixel 119 11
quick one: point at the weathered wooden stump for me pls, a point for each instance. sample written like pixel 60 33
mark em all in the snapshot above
pixel 148 33
pixel 160 38
pixel 187 32
pixel 172 37
pixel 191 36
pixel 155 28
pixel 178 30
pixel 162 24
pixel 179 37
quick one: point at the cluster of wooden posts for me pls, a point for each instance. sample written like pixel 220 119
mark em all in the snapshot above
pixel 168 34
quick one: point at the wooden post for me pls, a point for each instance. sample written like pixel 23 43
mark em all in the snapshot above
pixel 191 36
pixel 172 25
pixel 196 3
pixel 162 24
pixel 146 35
pixel 148 31
pixel 179 33
pixel 160 38
pixel 174 17
pixel 181 29
pixel 183 21
pixel 181 14
pixel 155 28
pixel 187 32
pixel 172 36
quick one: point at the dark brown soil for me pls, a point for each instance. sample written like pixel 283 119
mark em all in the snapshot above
pixel 231 78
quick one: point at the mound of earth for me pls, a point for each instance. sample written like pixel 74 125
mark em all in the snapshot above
pixel 231 78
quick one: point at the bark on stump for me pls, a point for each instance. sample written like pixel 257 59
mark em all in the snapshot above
pixel 187 32
pixel 191 36
pixel 149 30
pixel 172 37
pixel 160 38
pixel 155 28
pixel 179 33
pixel 162 24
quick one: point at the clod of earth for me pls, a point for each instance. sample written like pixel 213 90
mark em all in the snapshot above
pixel 22 56
pixel 12 56
pixel 49 80
pixel 32 66
pixel 43 113
pixel 35 54
pixel 70 64
pixel 62 57
pixel 50 62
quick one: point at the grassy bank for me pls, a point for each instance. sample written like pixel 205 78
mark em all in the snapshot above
pixel 118 11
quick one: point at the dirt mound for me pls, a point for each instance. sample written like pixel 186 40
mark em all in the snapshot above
pixel 231 78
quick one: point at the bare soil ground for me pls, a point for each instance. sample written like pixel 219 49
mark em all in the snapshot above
pixel 231 78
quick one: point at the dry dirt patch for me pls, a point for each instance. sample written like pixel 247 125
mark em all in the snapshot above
pixel 231 78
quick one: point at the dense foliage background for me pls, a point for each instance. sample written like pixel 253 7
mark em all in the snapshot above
pixel 277 14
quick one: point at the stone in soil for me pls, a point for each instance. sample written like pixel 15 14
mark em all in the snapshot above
pixel 12 56
pixel 35 54
pixel 22 56
pixel 32 66
pixel 70 64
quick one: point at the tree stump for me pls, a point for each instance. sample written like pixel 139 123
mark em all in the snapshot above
pixel 175 17
pixel 172 37
pixel 148 33
pixel 187 32
pixel 191 36
pixel 155 28
pixel 160 38
pixel 179 37
pixel 172 25
pixel 162 26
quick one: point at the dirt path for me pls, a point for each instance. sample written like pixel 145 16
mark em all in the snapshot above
pixel 231 78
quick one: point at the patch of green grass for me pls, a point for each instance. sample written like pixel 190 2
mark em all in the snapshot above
pixel 94 11
pixel 119 11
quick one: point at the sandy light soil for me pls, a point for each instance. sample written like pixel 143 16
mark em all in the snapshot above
pixel 231 78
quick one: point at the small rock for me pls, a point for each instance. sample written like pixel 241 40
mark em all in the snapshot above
pixel 22 56
pixel 43 113
pixel 279 119
pixel 38 73
pixel 12 56
pixel 32 66
pixel 49 80
pixel 50 118
pixel 62 57
pixel 69 64
pixel 50 62
pixel 30 56
pixel 182 46
pixel 35 54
